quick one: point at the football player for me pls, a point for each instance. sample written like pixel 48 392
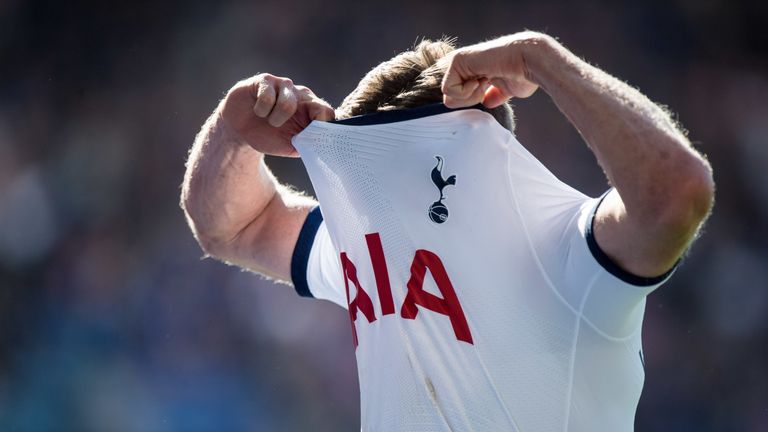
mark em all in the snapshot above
pixel 484 293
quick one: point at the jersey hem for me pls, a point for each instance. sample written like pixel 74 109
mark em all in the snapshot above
pixel 300 258
pixel 609 265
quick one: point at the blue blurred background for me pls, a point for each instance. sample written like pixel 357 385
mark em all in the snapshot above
pixel 109 319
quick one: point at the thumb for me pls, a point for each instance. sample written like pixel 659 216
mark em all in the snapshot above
pixel 494 97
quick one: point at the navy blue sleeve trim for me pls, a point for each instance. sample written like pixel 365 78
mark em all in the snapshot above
pixel 402 114
pixel 610 266
pixel 301 252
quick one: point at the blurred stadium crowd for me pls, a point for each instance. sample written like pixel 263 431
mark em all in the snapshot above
pixel 109 319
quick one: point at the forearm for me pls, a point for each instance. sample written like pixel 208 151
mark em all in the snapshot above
pixel 227 185
pixel 645 156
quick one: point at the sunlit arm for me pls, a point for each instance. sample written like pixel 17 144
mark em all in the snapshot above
pixel 237 210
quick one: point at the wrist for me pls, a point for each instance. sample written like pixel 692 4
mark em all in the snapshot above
pixel 544 59
pixel 221 131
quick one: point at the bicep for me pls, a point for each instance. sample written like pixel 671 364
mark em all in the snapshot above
pixel 267 243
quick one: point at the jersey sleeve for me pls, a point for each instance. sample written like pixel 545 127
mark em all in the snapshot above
pixel 558 222
pixel 613 299
pixel 315 265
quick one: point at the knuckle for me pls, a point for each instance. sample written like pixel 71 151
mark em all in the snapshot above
pixel 265 76
pixel 303 89
pixel 265 88
pixel 285 104
pixel 242 85
pixel 267 99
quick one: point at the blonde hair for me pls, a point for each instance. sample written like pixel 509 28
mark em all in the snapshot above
pixel 408 80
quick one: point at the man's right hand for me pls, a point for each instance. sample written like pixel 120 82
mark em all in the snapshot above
pixel 266 111
pixel 234 205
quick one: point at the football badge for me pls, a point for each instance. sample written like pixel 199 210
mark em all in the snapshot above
pixel 438 212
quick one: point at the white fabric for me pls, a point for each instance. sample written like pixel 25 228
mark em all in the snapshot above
pixel 555 337
pixel 324 275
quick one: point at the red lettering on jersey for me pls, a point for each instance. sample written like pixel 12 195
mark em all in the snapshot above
pixel 448 305
pixel 361 302
pixel 382 274
pixel 424 260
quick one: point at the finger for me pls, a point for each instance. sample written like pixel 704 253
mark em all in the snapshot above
pixel 304 93
pixel 320 110
pixel 462 89
pixel 265 98
pixel 473 98
pixel 452 81
pixel 459 82
pixel 285 106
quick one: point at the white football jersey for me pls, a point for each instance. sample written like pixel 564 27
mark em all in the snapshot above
pixel 478 298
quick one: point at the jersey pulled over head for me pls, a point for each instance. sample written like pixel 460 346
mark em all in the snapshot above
pixel 477 297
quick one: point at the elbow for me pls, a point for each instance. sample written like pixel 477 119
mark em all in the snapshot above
pixel 697 191
pixel 692 195
pixel 212 247
pixel 703 193
pixel 210 244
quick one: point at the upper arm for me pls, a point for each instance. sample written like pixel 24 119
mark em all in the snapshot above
pixel 647 245
pixel 267 243
pixel 291 243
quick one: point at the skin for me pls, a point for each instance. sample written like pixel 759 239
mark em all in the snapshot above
pixel 663 188
pixel 236 208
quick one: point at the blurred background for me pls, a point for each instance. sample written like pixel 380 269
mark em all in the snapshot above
pixel 110 320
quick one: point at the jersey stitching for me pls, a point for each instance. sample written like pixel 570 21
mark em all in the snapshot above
pixel 605 335
pixel 578 314
pixel 574 344
pixel 543 271
pixel 539 264
pixel 496 392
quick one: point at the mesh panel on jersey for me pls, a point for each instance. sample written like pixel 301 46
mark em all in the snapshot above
pixel 526 378
pixel 360 204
